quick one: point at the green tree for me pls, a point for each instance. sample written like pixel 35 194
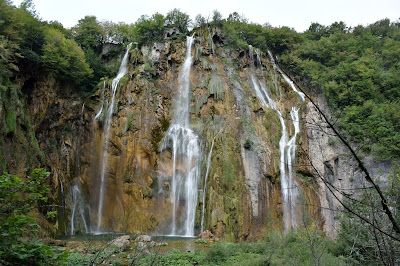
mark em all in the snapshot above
pixel 217 19
pixel 178 19
pixel 8 57
pixel 148 30
pixel 200 21
pixel 88 33
pixel 65 58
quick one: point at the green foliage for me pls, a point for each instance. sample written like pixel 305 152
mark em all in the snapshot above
pixel 11 122
pixel 247 145
pixel 148 30
pixel 217 20
pixel 65 57
pixel 88 33
pixel 8 56
pixel 149 68
pixel 116 32
pixel 17 199
pixel 358 72
pixel 173 257
pixel 305 178
pixel 295 248
pixel 240 33
pixel 176 18
pixel 199 21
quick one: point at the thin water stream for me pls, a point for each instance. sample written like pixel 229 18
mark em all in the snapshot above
pixel 287 148
pixel 122 72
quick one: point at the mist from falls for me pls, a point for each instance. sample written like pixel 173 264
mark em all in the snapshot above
pixel 287 148
pixel 184 145
pixel 122 72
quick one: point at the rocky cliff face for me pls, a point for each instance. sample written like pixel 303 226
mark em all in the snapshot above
pixel 243 198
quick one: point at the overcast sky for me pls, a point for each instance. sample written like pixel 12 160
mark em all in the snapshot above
pixel 297 14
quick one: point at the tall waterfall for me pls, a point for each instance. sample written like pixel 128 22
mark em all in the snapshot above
pixel 184 145
pixel 122 72
pixel 287 148
pixel 78 200
pixel 290 189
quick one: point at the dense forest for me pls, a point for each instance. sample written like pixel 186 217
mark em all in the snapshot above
pixel 357 70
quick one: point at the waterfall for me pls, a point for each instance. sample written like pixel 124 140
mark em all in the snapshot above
pixel 79 202
pixel 62 200
pixel 287 148
pixel 290 82
pixel 185 149
pixel 210 40
pixel 102 102
pixel 286 78
pixel 205 181
pixel 74 203
pixel 271 57
pixel 122 72
pixel 291 191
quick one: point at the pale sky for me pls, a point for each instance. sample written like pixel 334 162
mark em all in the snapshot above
pixel 297 14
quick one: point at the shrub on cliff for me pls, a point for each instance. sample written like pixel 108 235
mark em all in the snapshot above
pixel 65 58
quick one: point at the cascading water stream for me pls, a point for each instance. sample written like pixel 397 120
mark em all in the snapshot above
pixel 62 200
pixel 291 191
pixel 122 72
pixel 102 102
pixel 205 181
pixel 271 57
pixel 286 78
pixel 184 145
pixel 287 148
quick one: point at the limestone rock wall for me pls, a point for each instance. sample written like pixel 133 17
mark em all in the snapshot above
pixel 243 198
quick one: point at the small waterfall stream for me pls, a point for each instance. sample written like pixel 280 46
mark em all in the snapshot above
pixel 185 149
pixel 102 102
pixel 122 72
pixel 79 203
pixel 62 200
pixel 205 181
pixel 287 148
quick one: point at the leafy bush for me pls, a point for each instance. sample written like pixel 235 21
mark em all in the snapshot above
pixel 17 199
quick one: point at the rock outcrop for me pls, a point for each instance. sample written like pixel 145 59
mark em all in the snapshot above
pixel 244 196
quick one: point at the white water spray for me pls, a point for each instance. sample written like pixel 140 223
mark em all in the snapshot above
pixel 184 145
pixel 122 72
